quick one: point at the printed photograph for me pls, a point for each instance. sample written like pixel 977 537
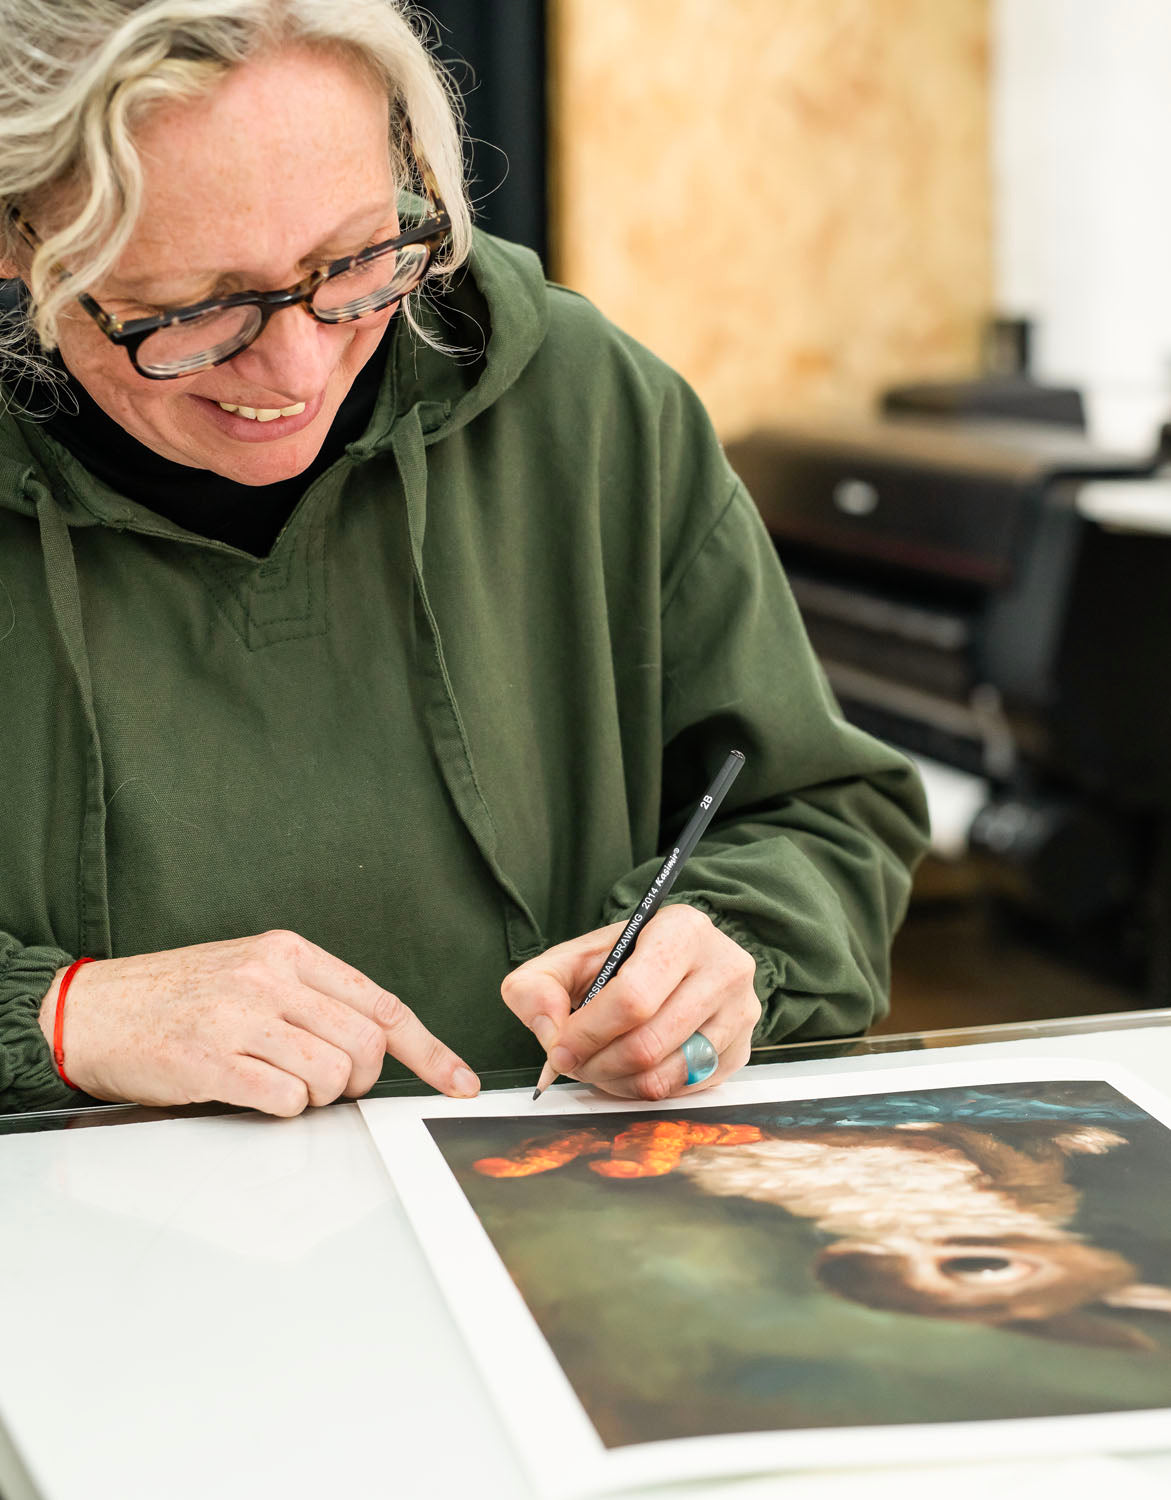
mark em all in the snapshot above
pixel 938 1255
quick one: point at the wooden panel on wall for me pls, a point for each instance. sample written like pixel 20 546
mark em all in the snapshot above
pixel 788 200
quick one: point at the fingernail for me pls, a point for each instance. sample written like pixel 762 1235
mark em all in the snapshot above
pixel 545 1031
pixel 563 1059
pixel 464 1083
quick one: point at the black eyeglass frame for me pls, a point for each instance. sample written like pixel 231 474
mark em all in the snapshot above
pixel 132 334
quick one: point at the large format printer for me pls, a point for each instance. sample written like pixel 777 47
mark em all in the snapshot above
pixel 996 598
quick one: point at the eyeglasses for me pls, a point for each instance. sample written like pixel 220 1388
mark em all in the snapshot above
pixel 188 339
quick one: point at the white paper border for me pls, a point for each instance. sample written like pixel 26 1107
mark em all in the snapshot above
pixel 549 1427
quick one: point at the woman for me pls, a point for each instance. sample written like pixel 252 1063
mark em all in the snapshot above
pixel 359 664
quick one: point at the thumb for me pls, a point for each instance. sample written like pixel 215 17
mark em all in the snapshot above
pixel 542 992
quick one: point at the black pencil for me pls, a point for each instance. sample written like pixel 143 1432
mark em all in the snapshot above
pixel 659 887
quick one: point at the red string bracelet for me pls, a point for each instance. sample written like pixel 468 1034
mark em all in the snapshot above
pixel 59 1020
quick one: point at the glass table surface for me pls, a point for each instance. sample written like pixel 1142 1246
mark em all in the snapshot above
pixel 92 1113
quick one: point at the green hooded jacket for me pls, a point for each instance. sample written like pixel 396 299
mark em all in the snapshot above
pixel 485 673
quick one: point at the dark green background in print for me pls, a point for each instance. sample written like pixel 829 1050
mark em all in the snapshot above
pixel 675 1313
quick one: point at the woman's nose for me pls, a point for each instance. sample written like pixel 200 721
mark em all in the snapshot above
pixel 295 355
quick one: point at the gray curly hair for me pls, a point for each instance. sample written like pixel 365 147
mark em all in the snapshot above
pixel 80 75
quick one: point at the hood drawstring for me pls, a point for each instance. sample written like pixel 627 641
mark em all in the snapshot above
pixel 65 602
pixel 448 734
pixel 504 291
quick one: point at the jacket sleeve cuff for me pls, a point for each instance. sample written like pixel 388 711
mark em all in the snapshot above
pixel 768 981
pixel 28 1078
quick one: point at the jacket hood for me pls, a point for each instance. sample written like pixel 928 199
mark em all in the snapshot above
pixel 491 319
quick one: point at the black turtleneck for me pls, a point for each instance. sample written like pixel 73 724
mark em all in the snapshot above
pixel 246 516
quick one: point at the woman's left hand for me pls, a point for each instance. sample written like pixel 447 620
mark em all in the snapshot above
pixel 683 976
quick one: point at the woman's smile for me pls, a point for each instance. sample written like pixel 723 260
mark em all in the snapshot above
pixel 258 424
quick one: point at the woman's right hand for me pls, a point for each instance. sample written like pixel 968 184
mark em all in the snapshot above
pixel 270 1022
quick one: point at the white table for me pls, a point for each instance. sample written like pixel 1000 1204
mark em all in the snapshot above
pixel 235 1307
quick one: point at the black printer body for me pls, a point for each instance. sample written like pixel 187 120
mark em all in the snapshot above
pixel 996 598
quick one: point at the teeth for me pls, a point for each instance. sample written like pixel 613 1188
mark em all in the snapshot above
pixel 263 413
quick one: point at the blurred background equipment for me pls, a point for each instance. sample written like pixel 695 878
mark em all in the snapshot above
pixel 993 597
pixel 1006 388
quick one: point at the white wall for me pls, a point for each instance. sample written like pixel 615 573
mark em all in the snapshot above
pixel 1082 197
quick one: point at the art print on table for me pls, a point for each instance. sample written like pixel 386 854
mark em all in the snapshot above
pixel 786 1279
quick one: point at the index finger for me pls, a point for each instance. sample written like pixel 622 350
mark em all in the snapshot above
pixel 635 995
pixel 542 991
pixel 407 1039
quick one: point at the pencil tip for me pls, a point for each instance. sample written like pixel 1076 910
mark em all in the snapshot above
pixel 537 1092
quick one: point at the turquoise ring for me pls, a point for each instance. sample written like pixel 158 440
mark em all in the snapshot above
pixel 701 1057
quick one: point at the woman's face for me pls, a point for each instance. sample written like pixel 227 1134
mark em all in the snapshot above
pixel 283 167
